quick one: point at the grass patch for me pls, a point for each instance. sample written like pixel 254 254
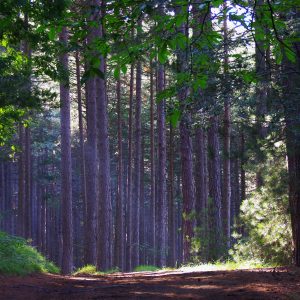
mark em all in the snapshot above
pixel 18 258
pixel 92 270
pixel 148 268
pixel 87 270
pixel 225 266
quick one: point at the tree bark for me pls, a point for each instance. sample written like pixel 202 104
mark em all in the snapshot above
pixel 161 178
pixel 226 209
pixel 119 233
pixel 82 158
pixel 104 242
pixel 261 93
pixel 129 176
pixel 188 190
pixel 66 166
pixel 291 86
pixel 152 171
pixel 171 205
pixel 137 168
pixel 201 188
pixel 91 157
pixel 215 196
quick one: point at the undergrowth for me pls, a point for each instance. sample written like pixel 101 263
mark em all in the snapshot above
pixel 92 270
pixel 146 268
pixel 18 258
pixel 225 266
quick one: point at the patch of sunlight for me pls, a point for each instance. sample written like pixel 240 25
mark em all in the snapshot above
pixel 226 266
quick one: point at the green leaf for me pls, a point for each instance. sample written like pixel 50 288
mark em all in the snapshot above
pixel 174 117
pixel 117 73
pixel 52 33
pixel 291 55
pixel 124 69
pixel 163 54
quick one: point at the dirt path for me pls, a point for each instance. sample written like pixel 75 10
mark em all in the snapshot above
pixel 282 283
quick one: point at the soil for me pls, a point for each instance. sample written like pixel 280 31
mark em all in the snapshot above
pixel 279 283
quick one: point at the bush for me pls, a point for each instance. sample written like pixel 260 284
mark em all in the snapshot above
pixel 266 222
pixel 87 270
pixel 18 258
pixel 92 270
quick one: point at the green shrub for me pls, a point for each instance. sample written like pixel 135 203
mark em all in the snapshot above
pixel 146 268
pixel 92 270
pixel 18 258
pixel 266 222
pixel 87 270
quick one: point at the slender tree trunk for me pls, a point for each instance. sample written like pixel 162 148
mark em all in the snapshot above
pixel 152 171
pixel 242 166
pixel 261 93
pixel 171 204
pixel 83 189
pixel 66 166
pixel 28 185
pixel 137 167
pixel 119 233
pixel 214 168
pixel 142 209
pixel 188 190
pixel 104 243
pixel 91 159
pixel 129 177
pixel 201 188
pixel 161 178
pixel 226 210
pixel 21 182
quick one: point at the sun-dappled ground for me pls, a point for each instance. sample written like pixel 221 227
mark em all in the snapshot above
pixel 268 283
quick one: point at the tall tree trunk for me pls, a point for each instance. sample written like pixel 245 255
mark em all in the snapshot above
pixel 171 204
pixel 104 243
pixel 152 172
pixel 291 86
pixel 161 178
pixel 188 190
pixel 119 233
pixel 91 157
pixel 129 176
pixel 83 189
pixel 28 185
pixel 142 208
pixel 261 91
pixel 214 168
pixel 137 167
pixel 201 188
pixel 66 165
pixel 226 210
pixel 21 182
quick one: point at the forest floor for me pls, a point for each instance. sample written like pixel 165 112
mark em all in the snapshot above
pixel 270 283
